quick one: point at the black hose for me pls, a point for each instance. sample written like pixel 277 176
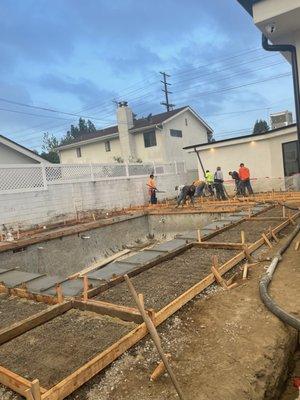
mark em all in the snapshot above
pixel 267 278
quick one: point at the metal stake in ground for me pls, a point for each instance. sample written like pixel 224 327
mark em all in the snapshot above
pixel 154 335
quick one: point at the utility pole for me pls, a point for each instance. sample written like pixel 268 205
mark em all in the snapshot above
pixel 166 91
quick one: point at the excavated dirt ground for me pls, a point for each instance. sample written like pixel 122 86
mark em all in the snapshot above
pixel 166 281
pixel 55 349
pixel 14 309
pixel 224 346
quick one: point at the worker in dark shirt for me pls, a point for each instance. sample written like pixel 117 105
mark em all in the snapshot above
pixel 234 175
pixel 186 191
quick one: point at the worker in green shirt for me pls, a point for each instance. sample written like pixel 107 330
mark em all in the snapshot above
pixel 209 178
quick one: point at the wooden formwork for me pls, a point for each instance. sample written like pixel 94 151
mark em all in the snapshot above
pixel 33 391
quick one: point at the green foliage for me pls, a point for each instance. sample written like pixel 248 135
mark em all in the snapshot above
pixel 50 142
pixel 260 126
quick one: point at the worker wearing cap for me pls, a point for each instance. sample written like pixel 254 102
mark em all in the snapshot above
pixel 244 174
pixel 235 176
pixel 209 178
pixel 152 190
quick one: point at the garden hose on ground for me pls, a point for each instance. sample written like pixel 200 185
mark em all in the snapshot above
pixel 267 278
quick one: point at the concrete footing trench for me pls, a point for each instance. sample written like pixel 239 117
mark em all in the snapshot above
pixel 70 328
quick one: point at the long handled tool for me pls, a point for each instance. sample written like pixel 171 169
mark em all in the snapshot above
pixel 154 335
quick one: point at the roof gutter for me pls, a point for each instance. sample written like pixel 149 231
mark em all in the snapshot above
pixel 145 128
pixel 88 141
pixel 293 51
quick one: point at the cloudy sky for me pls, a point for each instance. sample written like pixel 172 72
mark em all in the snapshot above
pixel 77 56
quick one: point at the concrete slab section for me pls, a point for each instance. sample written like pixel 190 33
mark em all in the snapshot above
pixel 43 282
pixel 143 257
pixel 69 288
pixel 112 269
pixel 16 277
pixel 171 245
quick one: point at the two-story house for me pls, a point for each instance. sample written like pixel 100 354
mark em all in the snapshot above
pixel 158 138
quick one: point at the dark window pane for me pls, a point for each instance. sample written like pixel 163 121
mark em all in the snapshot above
pixel 149 138
pixel 175 133
pixel 290 158
pixel 107 145
pixel 78 152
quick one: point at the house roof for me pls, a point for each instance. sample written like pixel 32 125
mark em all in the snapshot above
pixel 248 5
pixel 252 135
pixel 139 124
pixel 21 149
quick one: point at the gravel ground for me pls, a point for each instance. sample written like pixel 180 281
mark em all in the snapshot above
pixel 14 309
pixel 55 349
pixel 166 281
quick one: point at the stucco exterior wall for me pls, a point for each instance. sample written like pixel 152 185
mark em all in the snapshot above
pixel 192 133
pixel 10 156
pixel 263 157
pixel 91 153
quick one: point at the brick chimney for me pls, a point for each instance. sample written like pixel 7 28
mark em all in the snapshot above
pixel 125 122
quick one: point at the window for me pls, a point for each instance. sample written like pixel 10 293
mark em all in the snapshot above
pixel 107 145
pixel 78 152
pixel 175 133
pixel 290 158
pixel 149 138
pixel 186 122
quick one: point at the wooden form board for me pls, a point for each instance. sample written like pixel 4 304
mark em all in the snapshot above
pixel 98 363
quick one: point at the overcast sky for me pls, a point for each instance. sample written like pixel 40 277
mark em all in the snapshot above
pixel 77 56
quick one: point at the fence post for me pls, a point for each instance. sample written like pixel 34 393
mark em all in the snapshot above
pixel 44 177
pixel 92 172
pixel 127 170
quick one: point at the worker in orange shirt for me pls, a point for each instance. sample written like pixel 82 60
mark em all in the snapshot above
pixel 244 175
pixel 152 190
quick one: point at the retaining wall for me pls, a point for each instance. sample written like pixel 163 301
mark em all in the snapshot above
pixel 61 201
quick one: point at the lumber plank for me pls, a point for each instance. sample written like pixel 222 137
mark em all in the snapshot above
pixel 264 236
pixel 114 310
pixel 99 264
pixel 219 245
pixel 245 271
pixel 32 322
pixel 16 382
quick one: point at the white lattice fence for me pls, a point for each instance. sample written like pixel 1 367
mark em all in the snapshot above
pixel 22 178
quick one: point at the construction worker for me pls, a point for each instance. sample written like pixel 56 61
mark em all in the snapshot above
pixel 186 191
pixel 234 175
pixel 200 186
pixel 152 190
pixel 244 174
pixel 218 183
pixel 209 178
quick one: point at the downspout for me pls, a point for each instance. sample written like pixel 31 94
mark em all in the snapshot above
pixel 291 49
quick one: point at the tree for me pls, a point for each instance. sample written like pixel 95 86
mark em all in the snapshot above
pixel 50 142
pixel 260 126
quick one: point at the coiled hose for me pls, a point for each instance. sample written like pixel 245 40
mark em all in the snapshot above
pixel 267 278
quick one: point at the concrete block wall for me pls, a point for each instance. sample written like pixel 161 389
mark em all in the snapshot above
pixel 60 201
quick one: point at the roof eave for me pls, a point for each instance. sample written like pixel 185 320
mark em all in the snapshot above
pixel 88 141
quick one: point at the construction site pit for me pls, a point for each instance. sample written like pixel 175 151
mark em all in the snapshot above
pixel 220 338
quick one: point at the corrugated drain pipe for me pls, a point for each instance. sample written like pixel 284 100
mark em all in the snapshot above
pixel 293 51
pixel 267 278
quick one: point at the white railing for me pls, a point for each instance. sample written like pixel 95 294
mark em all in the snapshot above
pixel 20 178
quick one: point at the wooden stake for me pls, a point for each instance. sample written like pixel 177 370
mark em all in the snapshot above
pixel 247 253
pixel 156 339
pixel 297 245
pixel 243 237
pixel 217 275
pixel 267 240
pixel 35 389
pixel 292 221
pixel 199 235
pixel 283 211
pixel 245 271
pixel 274 236
pixel 59 293
pixel 85 288
pixel 159 370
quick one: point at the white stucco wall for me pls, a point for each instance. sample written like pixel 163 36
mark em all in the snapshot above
pixel 91 153
pixel 10 156
pixel 263 155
